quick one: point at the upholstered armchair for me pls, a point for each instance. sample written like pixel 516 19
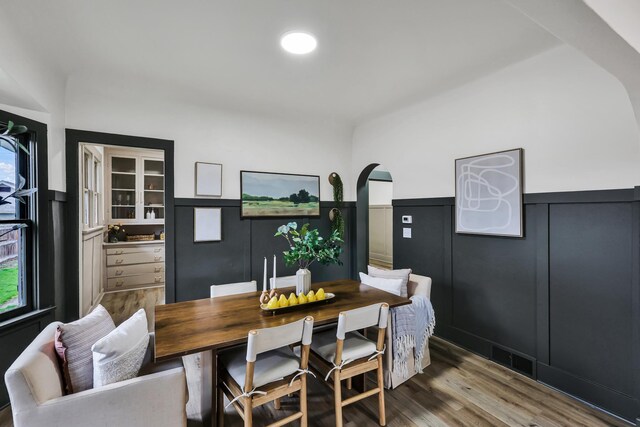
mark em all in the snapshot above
pixel 155 398
pixel 418 285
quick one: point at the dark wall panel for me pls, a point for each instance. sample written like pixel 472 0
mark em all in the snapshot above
pixel 200 265
pixel 245 243
pixel 567 295
pixel 494 287
pixel 591 292
pixel 424 253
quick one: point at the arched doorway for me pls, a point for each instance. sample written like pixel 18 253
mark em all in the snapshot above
pixel 373 184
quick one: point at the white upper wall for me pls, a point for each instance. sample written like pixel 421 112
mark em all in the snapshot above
pixel 573 119
pixel 35 85
pixel 239 141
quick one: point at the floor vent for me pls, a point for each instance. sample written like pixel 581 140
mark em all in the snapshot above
pixel 514 361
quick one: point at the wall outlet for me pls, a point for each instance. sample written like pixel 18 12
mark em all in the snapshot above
pixel 407 219
pixel 406 233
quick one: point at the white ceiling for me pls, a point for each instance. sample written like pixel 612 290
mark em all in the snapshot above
pixel 373 55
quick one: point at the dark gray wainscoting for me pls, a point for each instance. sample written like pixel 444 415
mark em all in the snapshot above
pixel 566 296
pixel 245 243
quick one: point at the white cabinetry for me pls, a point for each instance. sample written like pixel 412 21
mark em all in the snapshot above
pixel 135 187
pixel 134 265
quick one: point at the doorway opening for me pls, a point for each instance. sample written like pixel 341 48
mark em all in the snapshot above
pixel 122 211
pixel 121 216
pixel 374 218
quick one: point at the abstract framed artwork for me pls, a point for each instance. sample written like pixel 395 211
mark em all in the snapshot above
pixel 208 179
pixel 268 194
pixel 489 194
pixel 207 224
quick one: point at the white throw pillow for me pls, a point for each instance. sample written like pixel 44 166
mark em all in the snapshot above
pixel 119 355
pixel 393 286
pixel 392 274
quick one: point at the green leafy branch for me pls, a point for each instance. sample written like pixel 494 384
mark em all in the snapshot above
pixel 307 246
pixel 8 133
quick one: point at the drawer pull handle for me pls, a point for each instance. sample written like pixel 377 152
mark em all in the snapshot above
pixel 158 269
pixel 119 283
pixel 119 261
pixel 158 279
pixel 119 272
pixel 158 258
pixel 157 250
pixel 119 252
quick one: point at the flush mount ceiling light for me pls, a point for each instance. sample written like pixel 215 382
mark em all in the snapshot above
pixel 298 43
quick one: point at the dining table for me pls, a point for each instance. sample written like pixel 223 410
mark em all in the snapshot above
pixel 212 324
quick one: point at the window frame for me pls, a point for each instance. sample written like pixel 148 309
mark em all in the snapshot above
pixel 26 214
pixel 40 282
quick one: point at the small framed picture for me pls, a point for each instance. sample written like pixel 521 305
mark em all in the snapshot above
pixel 208 179
pixel 207 224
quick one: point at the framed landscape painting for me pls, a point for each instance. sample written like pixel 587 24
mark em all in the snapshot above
pixel 489 194
pixel 266 194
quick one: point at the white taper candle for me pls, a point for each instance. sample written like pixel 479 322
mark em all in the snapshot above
pixel 264 275
pixel 274 272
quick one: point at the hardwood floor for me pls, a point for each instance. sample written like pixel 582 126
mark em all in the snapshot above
pixel 458 389
pixel 121 305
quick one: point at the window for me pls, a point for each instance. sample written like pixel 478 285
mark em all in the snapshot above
pixel 17 215
pixel 92 215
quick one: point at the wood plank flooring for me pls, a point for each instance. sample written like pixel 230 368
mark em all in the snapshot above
pixel 121 305
pixel 458 389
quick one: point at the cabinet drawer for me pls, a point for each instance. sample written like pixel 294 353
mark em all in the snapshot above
pixel 159 249
pixel 135 258
pixel 137 280
pixel 130 270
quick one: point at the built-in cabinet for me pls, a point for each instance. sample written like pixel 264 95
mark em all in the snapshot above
pixel 135 193
pixel 133 265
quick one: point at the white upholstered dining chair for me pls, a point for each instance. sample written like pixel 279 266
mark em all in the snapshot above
pixel 282 282
pixel 265 370
pixel 233 288
pixel 343 353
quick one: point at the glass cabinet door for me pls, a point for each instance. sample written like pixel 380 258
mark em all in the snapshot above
pixel 123 188
pixel 153 189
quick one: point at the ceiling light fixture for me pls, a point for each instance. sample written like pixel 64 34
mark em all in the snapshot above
pixel 298 43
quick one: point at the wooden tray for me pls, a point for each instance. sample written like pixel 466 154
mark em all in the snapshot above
pixel 328 297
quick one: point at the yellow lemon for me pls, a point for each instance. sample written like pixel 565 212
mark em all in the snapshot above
pixel 320 294
pixel 302 298
pixel 292 299
pixel 311 296
pixel 273 303
pixel 283 301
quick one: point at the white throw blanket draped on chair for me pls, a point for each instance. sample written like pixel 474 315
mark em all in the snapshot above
pixel 412 324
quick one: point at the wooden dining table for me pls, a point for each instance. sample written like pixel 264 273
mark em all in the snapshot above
pixel 213 324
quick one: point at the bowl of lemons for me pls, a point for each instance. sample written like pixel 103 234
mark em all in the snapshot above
pixel 283 303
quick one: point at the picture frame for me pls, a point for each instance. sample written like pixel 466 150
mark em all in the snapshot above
pixel 207 224
pixel 208 179
pixel 489 194
pixel 278 195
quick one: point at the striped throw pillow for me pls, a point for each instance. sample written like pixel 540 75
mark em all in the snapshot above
pixel 73 345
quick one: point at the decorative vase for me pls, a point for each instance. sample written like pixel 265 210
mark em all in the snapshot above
pixel 303 281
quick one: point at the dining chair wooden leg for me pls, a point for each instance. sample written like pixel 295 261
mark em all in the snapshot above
pixel 303 401
pixel 383 418
pixel 277 404
pixel 248 414
pixel 220 408
pixel 337 395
